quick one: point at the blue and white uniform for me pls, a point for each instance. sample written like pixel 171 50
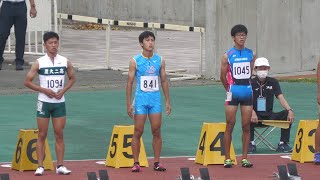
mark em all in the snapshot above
pixel 147 96
pixel 238 77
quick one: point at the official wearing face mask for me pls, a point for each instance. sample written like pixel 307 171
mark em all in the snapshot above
pixel 264 90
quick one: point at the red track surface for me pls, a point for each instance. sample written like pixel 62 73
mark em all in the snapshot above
pixel 264 166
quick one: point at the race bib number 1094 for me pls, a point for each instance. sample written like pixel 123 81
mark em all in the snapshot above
pixel 55 83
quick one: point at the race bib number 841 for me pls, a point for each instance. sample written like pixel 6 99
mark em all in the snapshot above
pixel 241 70
pixel 149 83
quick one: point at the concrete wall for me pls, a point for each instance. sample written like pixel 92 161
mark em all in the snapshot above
pixel 284 31
pixel 163 11
pixel 288 34
pixel 230 13
pixel 279 34
pixel 310 34
pixel 199 13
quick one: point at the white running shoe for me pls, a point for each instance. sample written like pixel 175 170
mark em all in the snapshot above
pixel 39 171
pixel 63 170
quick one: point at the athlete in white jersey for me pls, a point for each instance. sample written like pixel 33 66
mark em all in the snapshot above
pixel 51 103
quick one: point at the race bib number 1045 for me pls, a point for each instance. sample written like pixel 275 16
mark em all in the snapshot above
pixel 241 70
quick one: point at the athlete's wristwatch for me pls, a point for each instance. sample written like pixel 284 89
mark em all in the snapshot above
pixel 290 110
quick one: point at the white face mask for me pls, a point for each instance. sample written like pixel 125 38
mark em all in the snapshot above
pixel 262 74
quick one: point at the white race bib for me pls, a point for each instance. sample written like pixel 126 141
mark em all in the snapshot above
pixel 39 106
pixel 241 70
pixel 149 83
pixel 55 83
pixel 229 96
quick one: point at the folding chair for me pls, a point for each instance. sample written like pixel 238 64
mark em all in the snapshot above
pixel 269 126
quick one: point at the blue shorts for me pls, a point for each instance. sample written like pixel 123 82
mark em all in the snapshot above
pixel 147 103
pixel 148 109
pixel 241 94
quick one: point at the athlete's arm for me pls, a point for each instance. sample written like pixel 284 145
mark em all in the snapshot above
pixel 165 86
pixel 252 62
pixel 224 71
pixel 29 78
pixel 72 79
pixel 254 117
pixel 131 74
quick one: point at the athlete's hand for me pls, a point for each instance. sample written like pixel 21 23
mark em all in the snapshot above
pixel 168 109
pixel 130 111
pixel 59 94
pixel 48 92
pixel 254 117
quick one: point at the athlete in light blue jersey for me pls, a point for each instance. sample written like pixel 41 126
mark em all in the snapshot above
pixel 147 96
pixel 236 68
pixel 148 68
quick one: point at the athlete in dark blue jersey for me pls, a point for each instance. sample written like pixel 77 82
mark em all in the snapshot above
pixel 238 76
pixel 236 69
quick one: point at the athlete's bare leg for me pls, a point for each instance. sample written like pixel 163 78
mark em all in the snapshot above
pixel 231 112
pixel 246 112
pixel 43 124
pixel 139 121
pixel 58 126
pixel 155 121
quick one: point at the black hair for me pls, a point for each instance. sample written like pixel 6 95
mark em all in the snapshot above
pixel 146 34
pixel 50 34
pixel 238 29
